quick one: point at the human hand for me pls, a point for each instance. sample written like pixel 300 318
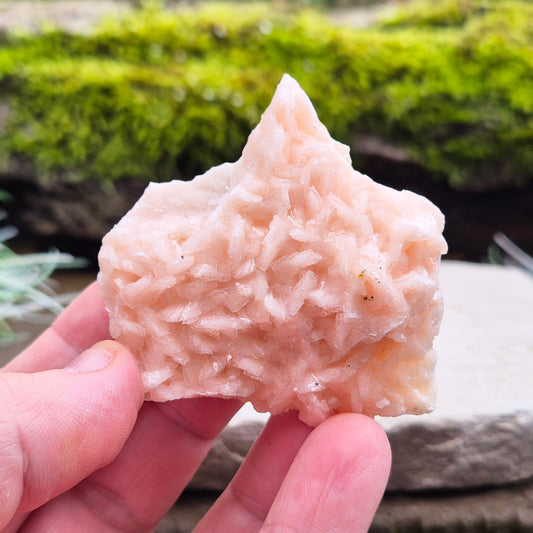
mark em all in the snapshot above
pixel 80 450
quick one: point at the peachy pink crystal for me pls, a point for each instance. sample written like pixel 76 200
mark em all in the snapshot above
pixel 286 278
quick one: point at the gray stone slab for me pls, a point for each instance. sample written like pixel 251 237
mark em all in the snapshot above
pixel 497 510
pixel 72 15
pixel 507 509
pixel 481 431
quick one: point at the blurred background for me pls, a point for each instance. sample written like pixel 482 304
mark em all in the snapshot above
pixel 97 98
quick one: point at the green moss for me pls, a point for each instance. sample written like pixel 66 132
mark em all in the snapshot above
pixel 161 94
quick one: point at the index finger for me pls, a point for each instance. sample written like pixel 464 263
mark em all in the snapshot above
pixel 83 323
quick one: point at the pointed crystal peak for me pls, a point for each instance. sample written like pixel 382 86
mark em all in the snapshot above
pixel 289 123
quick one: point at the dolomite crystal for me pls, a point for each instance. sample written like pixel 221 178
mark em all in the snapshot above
pixel 286 278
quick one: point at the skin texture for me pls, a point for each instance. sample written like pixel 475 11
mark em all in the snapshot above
pixel 80 450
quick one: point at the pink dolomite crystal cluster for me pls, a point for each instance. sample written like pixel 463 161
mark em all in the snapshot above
pixel 286 278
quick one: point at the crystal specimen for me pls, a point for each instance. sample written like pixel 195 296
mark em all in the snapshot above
pixel 286 278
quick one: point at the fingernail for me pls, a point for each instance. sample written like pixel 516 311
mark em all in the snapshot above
pixel 94 358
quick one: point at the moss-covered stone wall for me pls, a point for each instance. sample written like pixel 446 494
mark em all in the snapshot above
pixel 162 94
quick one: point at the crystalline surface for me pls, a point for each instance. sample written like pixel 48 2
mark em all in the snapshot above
pixel 286 278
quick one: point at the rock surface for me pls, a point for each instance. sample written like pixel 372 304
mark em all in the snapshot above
pixel 74 16
pixel 499 510
pixel 481 432
pixel 506 509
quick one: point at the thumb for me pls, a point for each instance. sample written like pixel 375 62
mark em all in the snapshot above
pixel 58 426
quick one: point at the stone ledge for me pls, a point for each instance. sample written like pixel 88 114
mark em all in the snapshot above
pixel 478 433
pixel 74 16
pixel 502 510
pixel 498 510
